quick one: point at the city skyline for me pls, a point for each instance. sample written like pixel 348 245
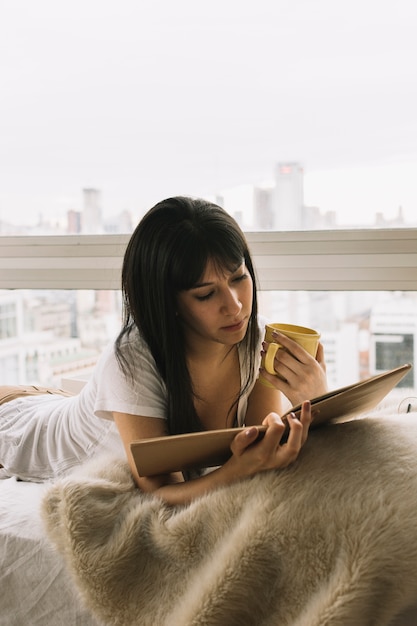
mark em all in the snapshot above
pixel 150 99
pixel 351 196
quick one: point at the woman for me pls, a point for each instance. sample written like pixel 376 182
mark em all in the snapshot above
pixel 186 359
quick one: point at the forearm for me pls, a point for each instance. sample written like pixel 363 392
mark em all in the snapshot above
pixel 184 492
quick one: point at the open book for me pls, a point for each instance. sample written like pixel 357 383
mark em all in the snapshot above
pixel 210 448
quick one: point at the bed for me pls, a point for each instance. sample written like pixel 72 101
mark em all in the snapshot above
pixel 35 588
pixel 303 547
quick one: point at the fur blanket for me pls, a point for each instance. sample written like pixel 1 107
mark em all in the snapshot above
pixel 330 541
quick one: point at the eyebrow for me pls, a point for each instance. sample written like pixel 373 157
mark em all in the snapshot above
pixel 198 285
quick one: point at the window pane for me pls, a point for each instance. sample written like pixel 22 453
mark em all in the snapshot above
pixel 52 335
pixel 56 335
pixel 393 350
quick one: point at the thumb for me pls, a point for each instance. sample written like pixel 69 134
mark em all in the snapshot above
pixel 243 440
pixel 320 354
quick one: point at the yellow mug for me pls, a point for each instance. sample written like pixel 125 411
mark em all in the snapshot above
pixel 307 338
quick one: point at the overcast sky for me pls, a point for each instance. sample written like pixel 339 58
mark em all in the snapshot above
pixel 148 98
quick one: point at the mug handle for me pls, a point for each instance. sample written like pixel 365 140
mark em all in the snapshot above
pixel 270 356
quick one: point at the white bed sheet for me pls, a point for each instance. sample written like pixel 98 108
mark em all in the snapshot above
pixel 35 588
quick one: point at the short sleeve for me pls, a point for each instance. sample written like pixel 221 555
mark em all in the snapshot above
pixel 144 393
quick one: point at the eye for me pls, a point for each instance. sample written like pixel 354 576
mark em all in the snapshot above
pixel 239 278
pixel 205 297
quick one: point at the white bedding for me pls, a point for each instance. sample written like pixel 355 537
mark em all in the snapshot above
pixel 35 589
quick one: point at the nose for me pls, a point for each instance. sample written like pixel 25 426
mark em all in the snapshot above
pixel 231 303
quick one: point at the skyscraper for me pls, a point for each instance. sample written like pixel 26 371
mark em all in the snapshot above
pixel 263 207
pixel 288 201
pixel 92 218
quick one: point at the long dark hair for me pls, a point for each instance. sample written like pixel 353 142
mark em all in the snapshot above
pixel 167 253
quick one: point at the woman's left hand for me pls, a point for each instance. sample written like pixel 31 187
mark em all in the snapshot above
pixel 300 376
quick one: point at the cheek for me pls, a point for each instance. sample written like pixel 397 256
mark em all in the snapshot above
pixel 194 314
pixel 248 294
pixel 183 305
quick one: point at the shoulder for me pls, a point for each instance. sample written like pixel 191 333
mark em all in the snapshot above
pixel 132 349
pixel 139 390
pixel 244 356
pixel 262 322
pixel 133 346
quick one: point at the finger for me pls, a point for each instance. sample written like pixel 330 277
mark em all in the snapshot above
pixel 272 418
pixel 296 350
pixel 273 434
pixel 243 440
pixel 290 365
pixel 284 363
pixel 306 418
pixel 292 447
pixel 295 372
pixel 271 378
pixel 305 414
pixel 275 429
pixel 320 356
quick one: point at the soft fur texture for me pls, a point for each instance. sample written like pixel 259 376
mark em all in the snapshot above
pixel 330 541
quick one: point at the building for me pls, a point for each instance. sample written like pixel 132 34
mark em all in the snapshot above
pixel 263 208
pixel 393 336
pixel 92 221
pixel 288 198
pixel 37 342
pixel 73 222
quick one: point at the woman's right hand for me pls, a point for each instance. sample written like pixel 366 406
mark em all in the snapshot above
pixel 270 452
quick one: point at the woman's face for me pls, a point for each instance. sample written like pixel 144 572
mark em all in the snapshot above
pixel 218 308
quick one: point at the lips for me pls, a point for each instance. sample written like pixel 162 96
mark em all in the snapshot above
pixel 235 327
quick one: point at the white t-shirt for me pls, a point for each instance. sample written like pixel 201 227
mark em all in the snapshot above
pixel 45 436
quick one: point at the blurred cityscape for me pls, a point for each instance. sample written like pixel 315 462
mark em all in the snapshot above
pixel 48 336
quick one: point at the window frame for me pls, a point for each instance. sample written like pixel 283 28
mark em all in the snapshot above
pixel 327 260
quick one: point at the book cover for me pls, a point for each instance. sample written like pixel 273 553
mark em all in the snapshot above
pixel 161 455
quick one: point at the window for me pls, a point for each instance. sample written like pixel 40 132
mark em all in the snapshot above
pixel 8 320
pixel 356 287
pixel 297 117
